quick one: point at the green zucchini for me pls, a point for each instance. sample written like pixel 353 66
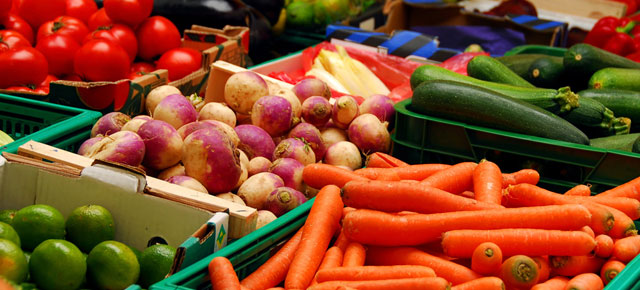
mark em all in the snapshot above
pixel 583 60
pixel 481 106
pixel 555 101
pixel 621 102
pixel 489 69
pixel 519 63
pixel 546 72
pixel 616 78
pixel 596 120
pixel 628 142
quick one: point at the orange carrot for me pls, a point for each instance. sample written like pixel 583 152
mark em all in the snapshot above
pixel 623 225
pixel 383 160
pixel 468 194
pixel 410 172
pixel 486 259
pixel 531 242
pixel 389 176
pixel 484 283
pixel 346 210
pixel 354 255
pixel 319 227
pixel 610 270
pixel 385 229
pixel 452 272
pixel 487 182
pixel 374 273
pixel 273 271
pixel 392 196
pixel 435 283
pixel 629 206
pixel 275 288
pixel 518 272
pixel 575 265
pixel 555 283
pixel 222 275
pixel 579 190
pixel 588 230
pixel 543 267
pixel 341 242
pixel 332 259
pixel 626 249
pixel 630 189
pixel 454 179
pixel 604 246
pixel 318 175
pixel 528 176
pixel 587 281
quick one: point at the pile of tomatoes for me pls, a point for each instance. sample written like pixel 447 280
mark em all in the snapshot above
pixel 42 41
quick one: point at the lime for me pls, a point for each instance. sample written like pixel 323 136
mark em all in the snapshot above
pixel 135 251
pixel 57 264
pixel 37 223
pixel 155 264
pixel 28 286
pixel 7 232
pixel 330 11
pixel 6 215
pixel 300 15
pixel 13 264
pixel 88 226
pixel 112 265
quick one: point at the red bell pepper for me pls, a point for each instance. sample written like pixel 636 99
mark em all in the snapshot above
pixel 620 44
pixel 634 56
pixel 631 5
pixel 606 28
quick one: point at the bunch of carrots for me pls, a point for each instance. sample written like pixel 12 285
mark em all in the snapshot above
pixel 434 226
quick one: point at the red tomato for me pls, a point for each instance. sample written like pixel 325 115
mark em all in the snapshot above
pixel 65 25
pixel 81 9
pixel 142 67
pixel 21 89
pixel 180 62
pixel 156 35
pixel 5 7
pixel 37 12
pixel 10 39
pixel 43 87
pixel 60 51
pixel 129 12
pixel 15 22
pixel 120 34
pixel 136 74
pixel 22 66
pixel 101 60
pixel 98 19
pixel 73 77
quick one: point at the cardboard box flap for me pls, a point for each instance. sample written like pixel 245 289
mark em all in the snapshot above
pixel 119 177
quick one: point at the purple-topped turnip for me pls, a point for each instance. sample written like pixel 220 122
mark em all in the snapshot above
pixel 156 95
pixel 296 105
pixel 307 88
pixel 258 164
pixel 344 154
pixel 290 170
pixel 163 144
pixel 296 149
pixel 226 129
pixel 85 147
pixel 264 218
pixel 187 129
pixel 231 197
pixel 332 135
pixel 219 112
pixel 255 141
pixel 380 106
pixel 243 89
pixel 369 134
pixel 188 182
pixel 177 169
pixel 273 114
pixel 256 189
pixel 345 109
pixel 122 147
pixel 175 110
pixel 316 111
pixel 244 160
pixel 134 124
pixel 109 124
pixel 312 136
pixel 284 199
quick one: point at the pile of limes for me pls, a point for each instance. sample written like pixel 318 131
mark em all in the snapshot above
pixel 39 249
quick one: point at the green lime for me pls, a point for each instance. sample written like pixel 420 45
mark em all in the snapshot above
pixel 7 232
pixel 112 265
pixel 38 223
pixel 155 264
pixel 57 264
pixel 88 226
pixel 330 11
pixel 28 286
pixel 6 215
pixel 136 251
pixel 300 15
pixel 13 264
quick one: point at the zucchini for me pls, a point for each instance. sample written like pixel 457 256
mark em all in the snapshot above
pixel 582 60
pixel 546 72
pixel 489 69
pixel 519 63
pixel 628 142
pixel 616 78
pixel 596 120
pixel 621 102
pixel 555 101
pixel 481 106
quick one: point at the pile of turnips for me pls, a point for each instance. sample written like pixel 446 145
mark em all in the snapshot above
pixel 251 149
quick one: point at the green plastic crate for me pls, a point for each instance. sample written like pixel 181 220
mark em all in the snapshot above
pixel 59 126
pixel 537 49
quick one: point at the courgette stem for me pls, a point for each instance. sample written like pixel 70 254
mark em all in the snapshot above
pixel 621 125
pixel 566 99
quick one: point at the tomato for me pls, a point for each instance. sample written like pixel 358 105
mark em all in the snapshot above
pixel 120 34
pixel 5 7
pixel 136 74
pixel 65 25
pixel 129 12
pixel 43 87
pixel 142 67
pixel 73 77
pixel 156 35
pixel 180 62
pixel 15 22
pixel 81 9
pixel 22 66
pixel 60 51
pixel 101 60
pixel 37 12
pixel 97 19
pixel 10 39
pixel 21 89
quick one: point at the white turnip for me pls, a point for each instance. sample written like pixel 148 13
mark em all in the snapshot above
pixel 258 164
pixel 177 169
pixel 312 136
pixel 307 88
pixel 290 170
pixel 344 154
pixel 188 182
pixel 122 147
pixel 332 135
pixel 296 149
pixel 109 124
pixel 255 141
pixel 345 109
pixel 134 124
pixel 187 129
pixel 163 144
pixel 243 89
pixel 219 112
pixel 369 134
pixel 264 217
pixel 296 104
pixel 175 110
pixel 316 111
pixel 86 145
pixel 256 189
pixel 273 114
pixel 158 94
pixel 284 199
pixel 231 197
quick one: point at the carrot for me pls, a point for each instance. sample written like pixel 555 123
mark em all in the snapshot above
pixel 435 283
pixel 579 190
pixel 383 160
pixel 487 182
pixel 385 229
pixel 519 271
pixel 623 225
pixel 587 281
pixel 392 196
pixel 610 270
pixel 318 175
pixel 588 230
pixel 529 176
pixel 410 172
pixel 332 259
pixel 629 206
pixel 468 194
pixel 222 275
pixel 452 272
pixel 630 189
pixel 626 249
pixel 575 265
pixel 374 273
pixel 273 271
pixel 346 210
pixel 319 227
pixel 341 242
pixel 354 255
pixel 454 179
pixel 604 246
pixel 532 242
pixel 543 267
pixel 555 283
pixel 484 283
pixel 486 259
pixel 275 288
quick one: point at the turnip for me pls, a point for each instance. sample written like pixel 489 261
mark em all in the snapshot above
pixel 122 147
pixel 243 89
pixel 219 112
pixel 177 169
pixel 296 104
pixel 273 114
pixel 369 134
pixel 284 199
pixel 307 88
pixel 109 124
pixel 163 144
pixel 226 129
pixel 231 197
pixel 86 145
pixel 209 156
pixel 243 176
pixel 158 94
pixel 244 160
pixel 380 106
pixel 332 135
pixel 256 189
pixel 258 164
pixel 175 110
pixel 316 111
pixel 312 136
pixel 255 141
pixel 264 217
pixel 290 170
pixel 296 149
pixel 188 182
pixel 187 129
pixel 134 124
pixel 344 154
pixel 345 109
